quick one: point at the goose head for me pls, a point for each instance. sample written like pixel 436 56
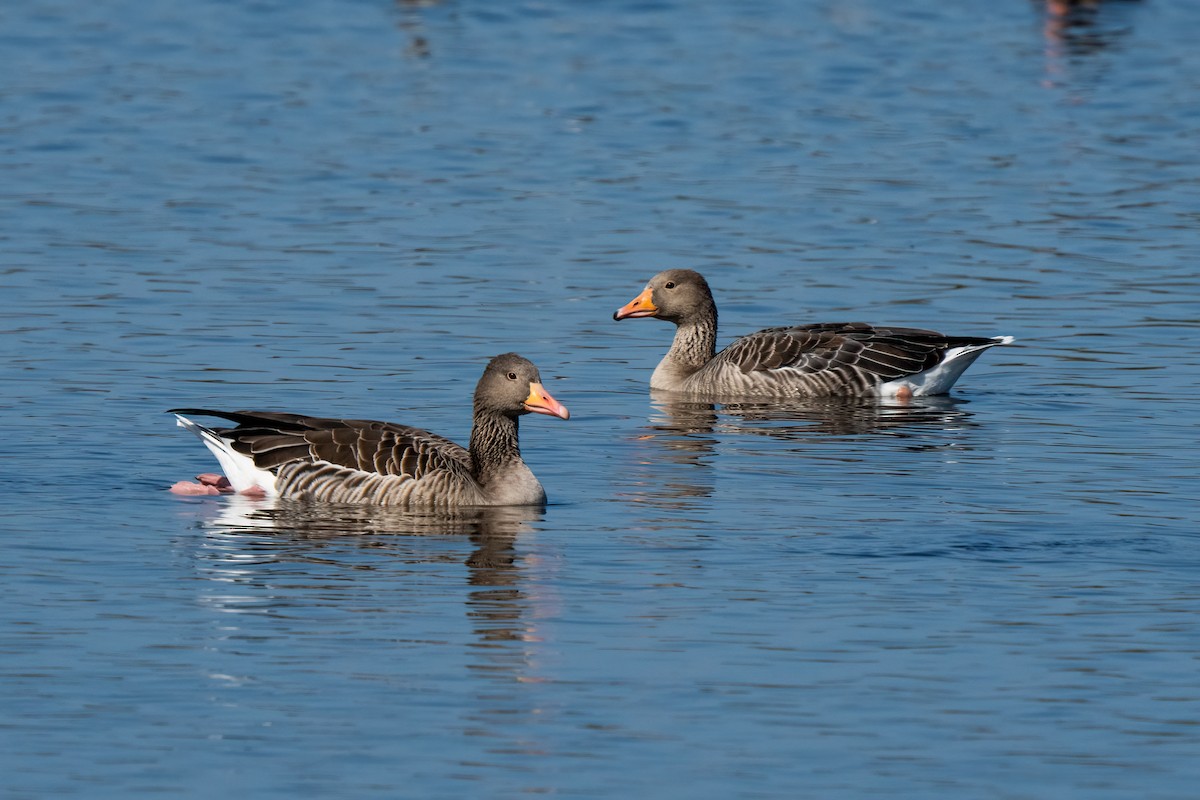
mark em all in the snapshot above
pixel 511 386
pixel 676 295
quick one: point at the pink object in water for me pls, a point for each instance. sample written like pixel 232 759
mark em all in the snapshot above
pixel 210 483
pixel 215 479
pixel 189 488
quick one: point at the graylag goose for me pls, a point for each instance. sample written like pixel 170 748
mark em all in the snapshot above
pixel 363 461
pixel 850 359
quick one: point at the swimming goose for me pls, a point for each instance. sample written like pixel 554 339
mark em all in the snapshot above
pixel 825 359
pixel 363 461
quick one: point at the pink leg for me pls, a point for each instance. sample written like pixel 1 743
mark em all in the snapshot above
pixel 213 479
pixel 210 483
pixel 189 488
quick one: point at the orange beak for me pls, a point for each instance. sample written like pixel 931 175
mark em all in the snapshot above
pixel 540 402
pixel 640 306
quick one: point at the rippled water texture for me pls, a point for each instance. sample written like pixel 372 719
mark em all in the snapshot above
pixel 347 207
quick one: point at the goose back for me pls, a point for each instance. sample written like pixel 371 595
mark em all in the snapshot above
pixel 824 359
pixel 351 460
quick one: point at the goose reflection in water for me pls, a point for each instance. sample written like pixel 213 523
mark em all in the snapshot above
pixel 682 440
pixel 282 558
pixel 809 418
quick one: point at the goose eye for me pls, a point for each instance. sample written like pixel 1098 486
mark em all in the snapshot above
pixel 512 376
pixel 669 285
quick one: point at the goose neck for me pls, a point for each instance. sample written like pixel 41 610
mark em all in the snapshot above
pixel 695 343
pixel 493 443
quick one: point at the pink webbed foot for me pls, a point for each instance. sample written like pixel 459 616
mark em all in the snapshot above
pixel 210 483
pixel 213 479
pixel 189 488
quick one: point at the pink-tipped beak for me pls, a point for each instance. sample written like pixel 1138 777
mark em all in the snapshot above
pixel 540 402
pixel 640 306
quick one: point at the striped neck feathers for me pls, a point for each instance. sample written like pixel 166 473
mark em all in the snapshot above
pixel 694 346
pixel 493 443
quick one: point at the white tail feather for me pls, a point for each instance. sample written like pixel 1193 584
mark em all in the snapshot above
pixel 238 468
pixel 939 378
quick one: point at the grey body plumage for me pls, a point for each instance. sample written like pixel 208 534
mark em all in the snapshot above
pixel 818 360
pixel 384 463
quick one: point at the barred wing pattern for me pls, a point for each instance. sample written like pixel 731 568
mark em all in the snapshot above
pixel 348 460
pixel 846 358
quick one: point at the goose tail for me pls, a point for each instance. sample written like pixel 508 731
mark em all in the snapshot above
pixel 243 475
pixel 939 378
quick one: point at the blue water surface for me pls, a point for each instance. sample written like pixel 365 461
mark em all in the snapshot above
pixel 345 208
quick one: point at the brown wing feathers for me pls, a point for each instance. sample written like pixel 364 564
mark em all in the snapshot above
pixel 883 352
pixel 273 439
